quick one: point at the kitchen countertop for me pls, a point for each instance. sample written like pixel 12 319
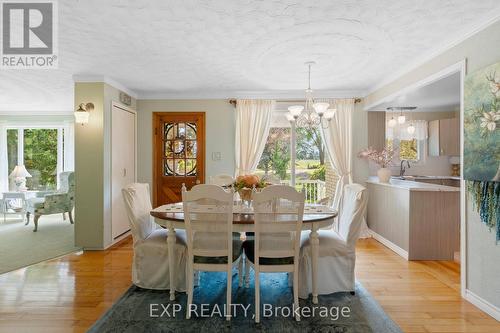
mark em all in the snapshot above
pixel 414 186
pixel 433 177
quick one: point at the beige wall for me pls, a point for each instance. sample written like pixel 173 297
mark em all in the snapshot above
pixel 220 124
pixel 483 255
pixel 92 166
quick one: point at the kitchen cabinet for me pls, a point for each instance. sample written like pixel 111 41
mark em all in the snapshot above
pixel 444 137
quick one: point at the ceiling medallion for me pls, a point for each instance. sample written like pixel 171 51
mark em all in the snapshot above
pixel 312 114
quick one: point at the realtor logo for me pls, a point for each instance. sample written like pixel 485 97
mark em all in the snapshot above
pixel 29 34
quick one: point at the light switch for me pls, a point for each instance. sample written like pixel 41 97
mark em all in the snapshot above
pixel 216 156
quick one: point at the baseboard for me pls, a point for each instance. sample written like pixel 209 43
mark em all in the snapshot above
pixel 482 304
pixel 390 244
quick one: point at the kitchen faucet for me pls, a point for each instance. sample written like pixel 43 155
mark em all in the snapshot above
pixel 402 168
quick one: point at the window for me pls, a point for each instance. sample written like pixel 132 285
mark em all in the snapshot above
pixel 45 152
pixel 409 150
pixel 276 160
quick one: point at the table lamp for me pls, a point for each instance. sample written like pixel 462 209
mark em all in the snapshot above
pixel 19 174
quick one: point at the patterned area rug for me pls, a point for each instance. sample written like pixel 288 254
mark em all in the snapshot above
pixel 140 310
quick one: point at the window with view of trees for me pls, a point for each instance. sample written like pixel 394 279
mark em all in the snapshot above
pixel 310 168
pixel 408 149
pixel 37 149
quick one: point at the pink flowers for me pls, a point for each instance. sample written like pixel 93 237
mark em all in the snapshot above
pixel 383 158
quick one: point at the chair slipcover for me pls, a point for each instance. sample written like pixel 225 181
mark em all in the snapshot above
pixel 150 267
pixel 336 254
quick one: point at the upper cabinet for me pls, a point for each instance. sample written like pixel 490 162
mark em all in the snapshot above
pixel 444 137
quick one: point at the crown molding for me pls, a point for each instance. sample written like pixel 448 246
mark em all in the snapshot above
pixel 250 94
pixel 17 113
pixel 493 18
pixel 105 79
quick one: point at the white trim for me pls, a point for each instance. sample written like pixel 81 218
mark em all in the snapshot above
pixel 493 18
pixel 389 244
pixel 463 218
pixel 482 304
pixel 41 113
pixel 105 79
pixel 457 67
pixel 257 94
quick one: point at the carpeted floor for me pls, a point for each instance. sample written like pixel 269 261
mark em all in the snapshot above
pixel 140 310
pixel 20 246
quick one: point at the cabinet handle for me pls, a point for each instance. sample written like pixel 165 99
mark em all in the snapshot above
pixel 124 172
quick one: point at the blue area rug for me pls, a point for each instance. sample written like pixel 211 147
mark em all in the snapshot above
pixel 140 310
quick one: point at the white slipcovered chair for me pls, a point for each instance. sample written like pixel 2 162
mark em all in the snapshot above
pixel 337 248
pixel 211 245
pixel 278 214
pixel 150 267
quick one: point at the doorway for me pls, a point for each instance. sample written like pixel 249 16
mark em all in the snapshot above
pixel 178 154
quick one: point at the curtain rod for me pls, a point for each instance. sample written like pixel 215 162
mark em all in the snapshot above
pixel 233 101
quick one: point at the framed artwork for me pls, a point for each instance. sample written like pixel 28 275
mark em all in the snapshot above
pixel 482 124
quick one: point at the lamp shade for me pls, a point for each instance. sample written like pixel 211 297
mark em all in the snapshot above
pixel 401 119
pixel 455 160
pixel 320 108
pixel 82 117
pixel 295 110
pixel 392 122
pixel 330 113
pixel 289 117
pixel 19 172
pixel 411 129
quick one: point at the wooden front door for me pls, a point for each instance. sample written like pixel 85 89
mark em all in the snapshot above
pixel 179 154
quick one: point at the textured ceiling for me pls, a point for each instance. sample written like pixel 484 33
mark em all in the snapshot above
pixel 205 47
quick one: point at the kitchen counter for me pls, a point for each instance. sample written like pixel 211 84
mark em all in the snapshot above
pixel 419 221
pixel 414 185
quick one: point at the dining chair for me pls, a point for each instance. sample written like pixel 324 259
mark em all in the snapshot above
pixel 222 180
pixel 208 215
pixel 337 248
pixel 278 213
pixel 150 267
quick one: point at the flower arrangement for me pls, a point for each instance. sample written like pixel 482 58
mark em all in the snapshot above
pixel 382 158
pixel 245 184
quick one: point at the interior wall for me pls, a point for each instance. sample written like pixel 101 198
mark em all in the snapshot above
pixel 89 161
pixel 220 127
pixel 483 254
pixel 93 166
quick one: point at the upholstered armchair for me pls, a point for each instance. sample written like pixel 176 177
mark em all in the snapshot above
pixel 60 202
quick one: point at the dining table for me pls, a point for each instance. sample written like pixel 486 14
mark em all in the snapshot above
pixel 171 217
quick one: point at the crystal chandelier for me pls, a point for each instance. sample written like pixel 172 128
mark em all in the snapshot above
pixel 311 114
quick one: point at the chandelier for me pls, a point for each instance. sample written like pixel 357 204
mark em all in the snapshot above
pixel 312 114
pixel 401 119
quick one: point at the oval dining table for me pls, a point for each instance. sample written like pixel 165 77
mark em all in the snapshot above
pixel 171 216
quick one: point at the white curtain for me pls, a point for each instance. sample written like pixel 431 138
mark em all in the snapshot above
pixel 253 121
pixel 337 139
pixel 4 172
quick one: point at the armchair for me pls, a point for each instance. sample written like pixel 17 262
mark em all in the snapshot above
pixel 60 202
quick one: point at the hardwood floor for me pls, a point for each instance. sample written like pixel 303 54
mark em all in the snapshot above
pixel 70 293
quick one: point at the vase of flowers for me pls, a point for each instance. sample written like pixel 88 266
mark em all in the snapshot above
pixel 382 158
pixel 245 184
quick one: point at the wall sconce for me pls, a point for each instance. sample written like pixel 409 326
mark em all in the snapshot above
pixel 82 114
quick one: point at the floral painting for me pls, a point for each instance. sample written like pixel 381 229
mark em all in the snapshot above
pixel 482 125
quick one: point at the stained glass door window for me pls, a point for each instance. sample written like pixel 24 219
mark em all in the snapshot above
pixel 180 149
